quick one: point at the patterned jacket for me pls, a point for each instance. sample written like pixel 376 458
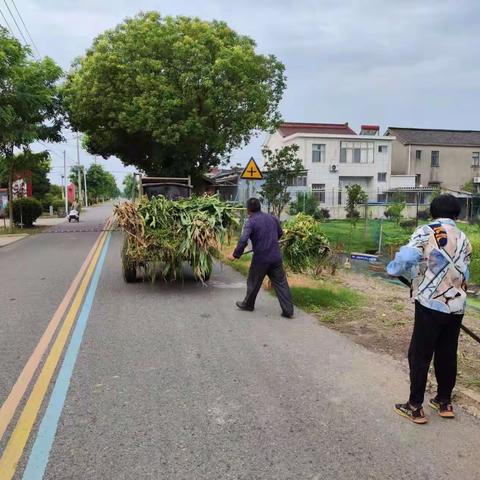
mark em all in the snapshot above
pixel 437 259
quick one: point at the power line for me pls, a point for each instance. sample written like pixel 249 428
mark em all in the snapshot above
pixel 26 29
pixel 15 21
pixel 7 24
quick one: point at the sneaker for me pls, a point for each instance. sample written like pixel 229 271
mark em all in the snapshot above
pixel 416 415
pixel 444 409
pixel 243 307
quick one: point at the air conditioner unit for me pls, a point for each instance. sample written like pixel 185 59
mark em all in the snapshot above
pixel 476 179
pixel 333 168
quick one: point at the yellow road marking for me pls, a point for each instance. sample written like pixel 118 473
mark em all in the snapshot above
pixel 9 407
pixel 21 434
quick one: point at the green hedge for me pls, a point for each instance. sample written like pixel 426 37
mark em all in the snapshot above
pixel 26 211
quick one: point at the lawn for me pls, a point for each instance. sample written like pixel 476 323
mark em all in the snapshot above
pixel 365 238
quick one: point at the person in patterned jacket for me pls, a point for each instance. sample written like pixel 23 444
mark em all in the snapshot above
pixel 437 260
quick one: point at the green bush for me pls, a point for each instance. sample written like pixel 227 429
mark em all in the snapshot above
pixel 423 215
pixel 324 214
pixel 408 224
pixel 50 200
pixel 26 211
pixel 58 203
pixel 306 203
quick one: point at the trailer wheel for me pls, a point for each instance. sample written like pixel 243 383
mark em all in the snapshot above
pixel 129 272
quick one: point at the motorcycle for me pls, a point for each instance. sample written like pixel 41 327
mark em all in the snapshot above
pixel 73 215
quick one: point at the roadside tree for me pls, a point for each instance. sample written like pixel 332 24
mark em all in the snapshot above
pixel 173 96
pixel 29 105
pixel 129 186
pixel 355 197
pixel 281 167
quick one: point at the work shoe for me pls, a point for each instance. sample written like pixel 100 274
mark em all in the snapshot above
pixel 243 307
pixel 444 409
pixel 416 415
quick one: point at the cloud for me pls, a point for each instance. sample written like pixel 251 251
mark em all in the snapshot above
pixel 408 62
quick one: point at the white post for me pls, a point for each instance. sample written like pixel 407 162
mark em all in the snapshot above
pixel 65 175
pixel 85 185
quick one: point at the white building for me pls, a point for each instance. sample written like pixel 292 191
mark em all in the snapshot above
pixel 334 156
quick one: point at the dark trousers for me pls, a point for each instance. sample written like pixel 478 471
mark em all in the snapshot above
pixel 435 334
pixel 276 274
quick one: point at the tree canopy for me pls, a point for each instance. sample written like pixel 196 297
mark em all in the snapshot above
pixel 172 95
pixel 101 184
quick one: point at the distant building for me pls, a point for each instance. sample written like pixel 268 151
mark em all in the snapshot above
pixel 334 156
pixel 447 159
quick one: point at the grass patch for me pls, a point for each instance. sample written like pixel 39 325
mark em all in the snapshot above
pixel 19 231
pixel 365 238
pixel 241 265
pixel 315 299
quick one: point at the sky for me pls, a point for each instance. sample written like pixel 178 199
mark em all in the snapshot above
pixel 393 63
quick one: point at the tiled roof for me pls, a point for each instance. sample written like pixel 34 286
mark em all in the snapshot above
pixel 290 128
pixel 423 136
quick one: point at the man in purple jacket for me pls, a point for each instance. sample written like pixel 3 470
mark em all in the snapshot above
pixel 264 231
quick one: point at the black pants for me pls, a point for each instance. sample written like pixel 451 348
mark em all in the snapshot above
pixel 434 334
pixel 277 276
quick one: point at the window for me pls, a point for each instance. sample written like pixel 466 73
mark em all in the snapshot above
pixel 357 152
pixel 418 179
pixel 318 153
pixel 318 190
pixel 357 155
pixel 476 159
pixel 435 158
pixel 382 149
pixel 434 184
pixel 382 198
pixel 382 176
pixel 418 154
pixel 300 181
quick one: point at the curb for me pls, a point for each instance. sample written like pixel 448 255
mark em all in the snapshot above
pixel 15 238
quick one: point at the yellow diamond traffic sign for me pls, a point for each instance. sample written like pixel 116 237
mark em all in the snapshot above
pixel 251 171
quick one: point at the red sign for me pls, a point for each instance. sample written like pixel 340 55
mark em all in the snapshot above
pixel 71 192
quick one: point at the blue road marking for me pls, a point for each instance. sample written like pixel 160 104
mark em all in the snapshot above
pixel 38 459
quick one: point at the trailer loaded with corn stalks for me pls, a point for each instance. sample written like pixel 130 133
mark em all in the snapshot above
pixel 160 235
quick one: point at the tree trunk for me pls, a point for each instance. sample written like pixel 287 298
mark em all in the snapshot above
pixel 10 199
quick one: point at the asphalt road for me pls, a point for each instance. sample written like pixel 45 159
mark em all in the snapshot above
pixel 172 382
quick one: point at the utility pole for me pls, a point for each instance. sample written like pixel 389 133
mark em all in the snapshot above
pixel 79 172
pixel 65 176
pixel 85 185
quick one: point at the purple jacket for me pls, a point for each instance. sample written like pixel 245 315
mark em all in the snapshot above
pixel 263 230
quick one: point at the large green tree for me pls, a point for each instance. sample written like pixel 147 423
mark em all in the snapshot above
pixel 172 95
pixel 30 108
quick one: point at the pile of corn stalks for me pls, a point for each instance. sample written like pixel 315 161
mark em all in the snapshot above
pixel 162 234
pixel 305 248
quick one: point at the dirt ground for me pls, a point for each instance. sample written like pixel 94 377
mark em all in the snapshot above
pixel 385 320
